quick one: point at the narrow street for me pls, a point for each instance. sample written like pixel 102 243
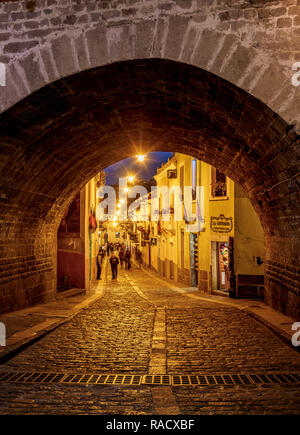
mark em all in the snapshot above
pixel 141 327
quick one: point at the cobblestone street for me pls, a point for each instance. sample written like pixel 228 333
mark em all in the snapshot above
pixel 141 326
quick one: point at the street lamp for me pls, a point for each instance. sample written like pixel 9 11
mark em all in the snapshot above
pixel 131 178
pixel 141 157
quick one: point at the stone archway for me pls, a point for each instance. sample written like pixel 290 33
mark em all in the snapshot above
pixel 57 138
pixel 252 43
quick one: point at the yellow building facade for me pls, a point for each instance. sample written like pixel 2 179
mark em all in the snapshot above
pixel 226 256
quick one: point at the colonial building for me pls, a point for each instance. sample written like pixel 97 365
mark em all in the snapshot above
pixel 78 239
pixel 226 255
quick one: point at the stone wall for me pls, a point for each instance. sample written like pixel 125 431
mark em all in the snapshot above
pixel 251 43
pixel 203 284
pixel 214 80
pixel 184 276
pixel 249 286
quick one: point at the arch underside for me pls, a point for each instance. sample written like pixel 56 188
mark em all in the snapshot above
pixel 56 139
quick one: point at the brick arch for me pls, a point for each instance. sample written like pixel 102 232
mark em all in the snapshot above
pixel 252 44
pixel 56 139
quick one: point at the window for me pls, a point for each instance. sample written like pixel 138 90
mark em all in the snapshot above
pixel 182 181
pixel 194 177
pixel 218 183
pixel 182 249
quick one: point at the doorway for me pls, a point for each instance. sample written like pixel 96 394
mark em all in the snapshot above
pixel 220 267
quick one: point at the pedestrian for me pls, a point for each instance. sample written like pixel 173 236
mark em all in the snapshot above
pixel 127 259
pixel 111 247
pixel 114 261
pixel 121 257
pixel 99 260
pixel 102 254
pixel 107 249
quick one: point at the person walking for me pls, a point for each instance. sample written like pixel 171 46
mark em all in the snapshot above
pixel 121 257
pixel 107 249
pixel 102 254
pixel 99 261
pixel 127 259
pixel 114 261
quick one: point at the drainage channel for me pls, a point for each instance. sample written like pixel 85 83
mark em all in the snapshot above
pixel 176 380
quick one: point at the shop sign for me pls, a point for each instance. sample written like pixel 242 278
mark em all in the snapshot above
pixel 153 241
pixel 221 224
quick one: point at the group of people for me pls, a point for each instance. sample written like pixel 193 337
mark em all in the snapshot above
pixel 124 256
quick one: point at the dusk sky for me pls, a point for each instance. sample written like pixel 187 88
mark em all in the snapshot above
pixel 144 170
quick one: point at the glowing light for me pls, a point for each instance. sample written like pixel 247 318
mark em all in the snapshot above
pixel 141 158
pixel 131 178
pixel 114 224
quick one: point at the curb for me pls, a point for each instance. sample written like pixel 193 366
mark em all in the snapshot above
pixel 277 331
pixel 12 350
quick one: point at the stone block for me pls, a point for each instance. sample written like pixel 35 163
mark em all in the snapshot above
pixel 158 43
pixel 269 82
pixel 19 47
pixel 50 67
pixel 225 48
pixel 144 38
pixel 278 12
pixel 237 64
pixel 97 46
pixel 120 43
pixel 62 51
pixel 284 22
pixel 207 45
pixel 189 45
pixel 32 69
pixel 82 52
pixel 176 31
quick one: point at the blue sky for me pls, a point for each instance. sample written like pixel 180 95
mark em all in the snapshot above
pixel 144 170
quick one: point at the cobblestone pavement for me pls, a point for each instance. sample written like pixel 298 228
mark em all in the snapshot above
pixel 115 335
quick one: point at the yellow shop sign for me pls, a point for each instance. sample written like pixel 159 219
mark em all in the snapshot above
pixel 221 224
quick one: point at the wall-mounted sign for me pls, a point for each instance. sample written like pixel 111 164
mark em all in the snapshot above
pixel 153 241
pixel 221 224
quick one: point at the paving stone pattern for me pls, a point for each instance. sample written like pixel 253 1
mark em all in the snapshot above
pixel 114 335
